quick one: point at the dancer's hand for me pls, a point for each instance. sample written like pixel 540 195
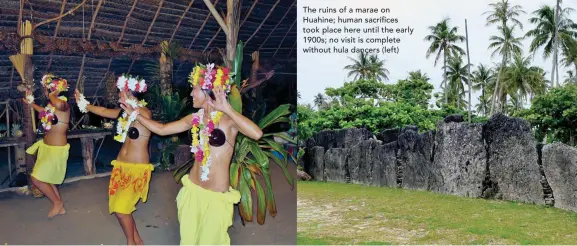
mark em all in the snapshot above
pixel 127 107
pixel 25 98
pixel 221 103
pixel 76 95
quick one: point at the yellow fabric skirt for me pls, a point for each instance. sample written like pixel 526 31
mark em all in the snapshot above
pixel 204 215
pixel 129 182
pixel 51 162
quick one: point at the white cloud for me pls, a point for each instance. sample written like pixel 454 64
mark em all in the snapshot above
pixel 319 71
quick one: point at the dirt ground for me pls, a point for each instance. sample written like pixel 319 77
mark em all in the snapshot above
pixel 23 218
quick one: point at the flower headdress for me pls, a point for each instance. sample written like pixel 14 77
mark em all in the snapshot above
pixel 209 77
pixel 128 83
pixel 49 81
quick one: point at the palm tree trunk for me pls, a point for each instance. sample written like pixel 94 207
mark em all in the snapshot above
pixel 484 105
pixel 495 90
pixel 555 44
pixel 445 76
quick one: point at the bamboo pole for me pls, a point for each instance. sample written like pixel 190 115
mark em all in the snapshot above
pixel 180 20
pixel 283 38
pixel 219 19
pixel 126 21
pixel 263 21
pixel 277 24
pixel 60 16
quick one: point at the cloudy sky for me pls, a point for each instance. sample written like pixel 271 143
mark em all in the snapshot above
pixel 319 71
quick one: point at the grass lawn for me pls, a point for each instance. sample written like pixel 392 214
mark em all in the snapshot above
pixel 333 213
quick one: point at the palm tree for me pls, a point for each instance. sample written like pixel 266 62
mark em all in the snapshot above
pixel 443 39
pixel 521 79
pixel 502 12
pixel 507 46
pixel 481 79
pixel 457 74
pixel 418 75
pixel 545 30
pixel 319 101
pixel 378 72
pixel 571 77
pixel 570 53
pixel 368 67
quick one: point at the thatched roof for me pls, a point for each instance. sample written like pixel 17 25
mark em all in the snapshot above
pixel 126 34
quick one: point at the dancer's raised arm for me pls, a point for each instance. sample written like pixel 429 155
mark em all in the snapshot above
pixel 58 103
pixel 101 111
pixel 243 124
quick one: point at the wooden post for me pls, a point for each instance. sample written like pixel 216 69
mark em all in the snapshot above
pixel 469 66
pixel 232 22
pixel 87 155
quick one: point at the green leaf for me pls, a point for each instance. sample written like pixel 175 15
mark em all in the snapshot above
pixel 277 147
pixel 259 154
pixel 279 162
pixel 237 65
pixel 183 170
pixel 274 115
pixel 270 194
pixel 245 205
pixel 234 174
pixel 261 202
pixel 280 135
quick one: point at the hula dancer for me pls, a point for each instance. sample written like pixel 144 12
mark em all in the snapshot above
pixel 130 176
pixel 52 157
pixel 205 202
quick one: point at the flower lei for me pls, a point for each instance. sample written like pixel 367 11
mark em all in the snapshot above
pixel 200 146
pixel 208 77
pixel 126 120
pixel 59 84
pixel 48 114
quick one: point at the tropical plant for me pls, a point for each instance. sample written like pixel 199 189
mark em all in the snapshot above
pixel 368 67
pixel 506 45
pixel 521 79
pixel 482 77
pixel 457 74
pixel 251 158
pixel 443 39
pixel 544 32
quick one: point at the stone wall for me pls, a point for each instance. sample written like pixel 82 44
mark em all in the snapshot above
pixel 499 159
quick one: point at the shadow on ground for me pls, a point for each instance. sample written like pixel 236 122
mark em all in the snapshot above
pixel 23 218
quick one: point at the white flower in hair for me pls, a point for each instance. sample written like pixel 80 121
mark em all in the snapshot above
pixel 132 84
pixel 121 82
pixel 141 85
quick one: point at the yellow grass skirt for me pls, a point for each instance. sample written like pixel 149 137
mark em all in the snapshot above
pixel 129 182
pixel 204 215
pixel 51 161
